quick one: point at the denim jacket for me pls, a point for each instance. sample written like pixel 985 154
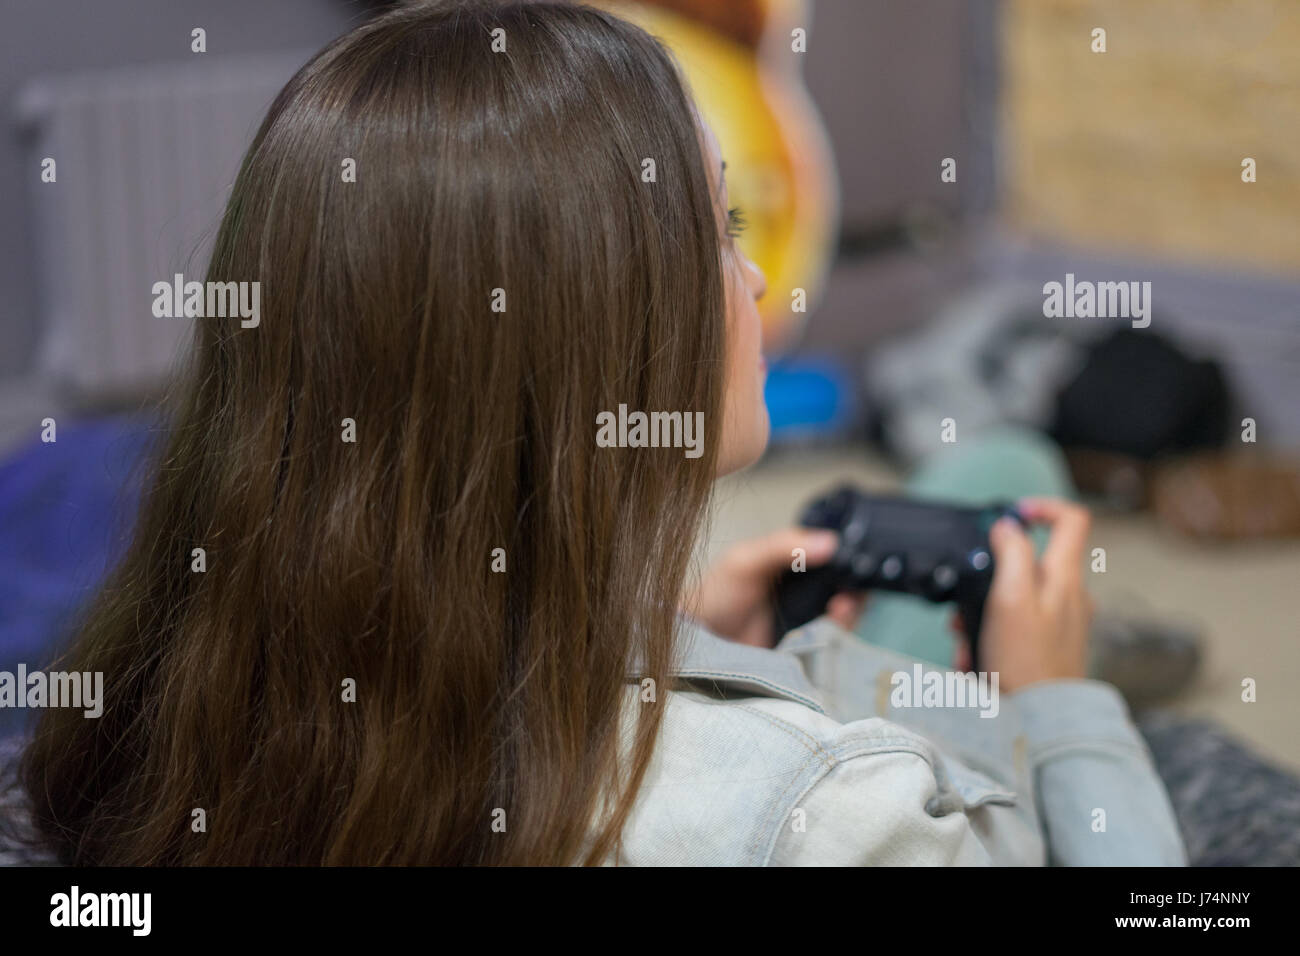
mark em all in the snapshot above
pixel 810 754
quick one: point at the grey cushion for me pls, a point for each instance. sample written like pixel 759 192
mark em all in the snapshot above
pixel 1234 808
pixel 15 830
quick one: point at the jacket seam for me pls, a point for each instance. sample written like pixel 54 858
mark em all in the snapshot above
pixel 896 746
pixel 815 751
pixel 785 692
pixel 1044 752
pixel 812 743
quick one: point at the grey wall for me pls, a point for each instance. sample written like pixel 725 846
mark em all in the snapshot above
pixel 888 80
pixel 53 36
pixel 900 86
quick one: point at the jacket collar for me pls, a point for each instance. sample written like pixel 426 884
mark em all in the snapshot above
pixel 758 671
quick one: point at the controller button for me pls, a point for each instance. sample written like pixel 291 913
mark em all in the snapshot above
pixel 979 559
pixel 944 577
pixel 891 569
pixel 855 530
pixel 863 565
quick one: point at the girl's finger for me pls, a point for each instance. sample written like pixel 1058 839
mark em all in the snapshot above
pixel 1015 574
pixel 845 609
pixel 775 553
pixel 961 655
pixel 1070 523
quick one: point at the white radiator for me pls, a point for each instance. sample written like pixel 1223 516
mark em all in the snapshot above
pixel 145 158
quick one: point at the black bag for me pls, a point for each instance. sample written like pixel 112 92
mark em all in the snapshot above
pixel 1139 395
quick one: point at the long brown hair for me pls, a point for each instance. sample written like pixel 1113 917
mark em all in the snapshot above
pixel 482 178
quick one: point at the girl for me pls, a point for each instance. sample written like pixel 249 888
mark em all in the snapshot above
pixel 434 621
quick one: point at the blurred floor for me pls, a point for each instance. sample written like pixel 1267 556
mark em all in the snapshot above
pixel 1244 596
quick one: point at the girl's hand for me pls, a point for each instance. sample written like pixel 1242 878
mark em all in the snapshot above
pixel 1038 614
pixel 734 599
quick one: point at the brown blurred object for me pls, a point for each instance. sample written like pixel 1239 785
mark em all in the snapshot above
pixel 1229 496
pixel 1123 481
pixel 742 20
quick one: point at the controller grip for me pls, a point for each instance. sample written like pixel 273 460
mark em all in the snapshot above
pixel 972 617
pixel 800 597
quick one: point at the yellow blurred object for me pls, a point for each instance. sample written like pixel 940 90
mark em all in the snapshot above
pixel 746 80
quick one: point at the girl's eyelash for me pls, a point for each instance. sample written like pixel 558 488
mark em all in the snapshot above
pixel 736 221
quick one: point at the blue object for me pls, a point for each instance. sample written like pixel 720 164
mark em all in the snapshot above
pixel 810 397
pixel 66 510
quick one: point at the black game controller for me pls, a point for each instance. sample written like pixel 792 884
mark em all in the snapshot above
pixel 937 551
